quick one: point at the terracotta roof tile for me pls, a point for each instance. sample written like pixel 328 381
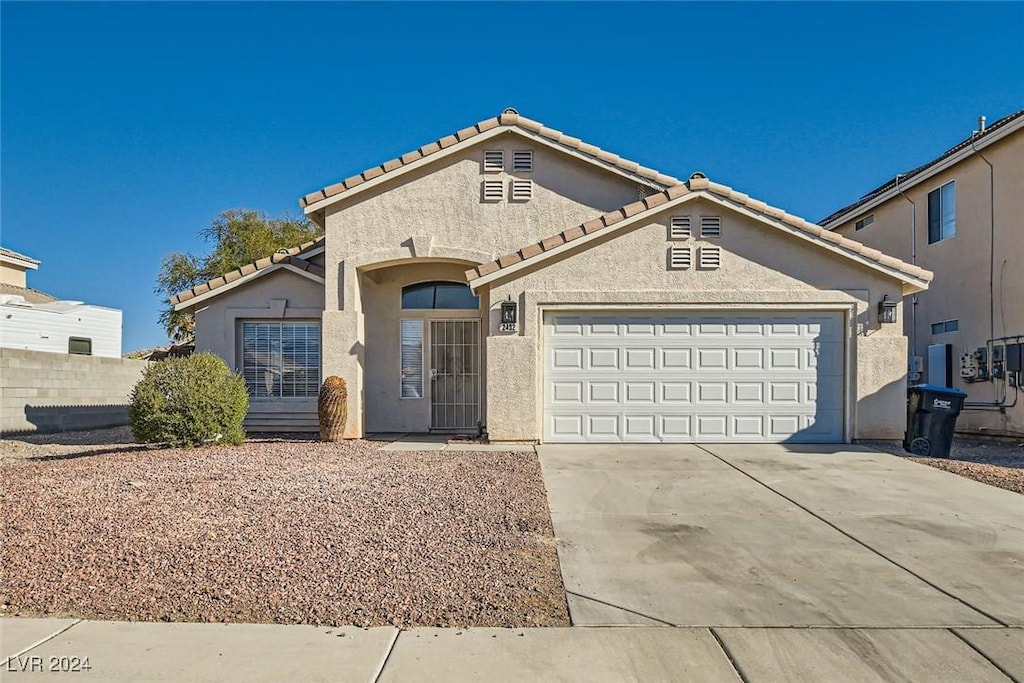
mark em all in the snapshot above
pixel 291 256
pixel 508 118
pixel 700 184
pixel 508 259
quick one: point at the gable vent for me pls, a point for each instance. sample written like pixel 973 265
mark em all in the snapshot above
pixel 522 160
pixel 493 190
pixel 710 226
pixel 679 228
pixel 680 258
pixel 494 160
pixel 522 190
pixel 710 258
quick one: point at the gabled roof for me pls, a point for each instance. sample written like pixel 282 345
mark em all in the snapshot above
pixel 295 259
pixel 998 130
pixel 509 120
pixel 17 259
pixel 913 277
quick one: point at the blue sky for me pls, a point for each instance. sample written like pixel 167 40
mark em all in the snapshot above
pixel 127 127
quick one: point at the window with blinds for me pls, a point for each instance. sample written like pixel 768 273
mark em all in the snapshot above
pixel 412 358
pixel 281 359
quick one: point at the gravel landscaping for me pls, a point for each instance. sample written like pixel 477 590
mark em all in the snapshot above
pixel 996 463
pixel 275 531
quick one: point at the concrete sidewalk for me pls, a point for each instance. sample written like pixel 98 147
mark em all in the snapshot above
pixel 42 649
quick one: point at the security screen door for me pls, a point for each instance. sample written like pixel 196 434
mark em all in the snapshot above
pixel 454 374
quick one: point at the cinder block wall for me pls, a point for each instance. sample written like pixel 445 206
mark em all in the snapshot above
pixel 55 392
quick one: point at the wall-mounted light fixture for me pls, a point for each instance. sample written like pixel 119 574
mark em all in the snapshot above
pixel 886 310
pixel 509 316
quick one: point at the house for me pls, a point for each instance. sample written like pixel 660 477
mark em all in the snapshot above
pixel 515 277
pixel 35 321
pixel 959 215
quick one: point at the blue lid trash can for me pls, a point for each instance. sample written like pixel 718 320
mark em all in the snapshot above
pixel 931 419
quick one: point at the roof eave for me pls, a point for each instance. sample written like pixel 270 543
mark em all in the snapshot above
pixel 859 209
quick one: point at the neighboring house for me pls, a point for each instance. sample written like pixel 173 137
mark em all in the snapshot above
pixel 35 321
pixel 961 216
pixel 514 276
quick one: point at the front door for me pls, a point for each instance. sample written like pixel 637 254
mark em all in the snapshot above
pixel 454 374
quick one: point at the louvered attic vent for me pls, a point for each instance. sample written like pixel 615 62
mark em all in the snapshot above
pixel 494 160
pixel 522 160
pixel 679 228
pixel 710 226
pixel 710 258
pixel 494 190
pixel 680 258
pixel 522 190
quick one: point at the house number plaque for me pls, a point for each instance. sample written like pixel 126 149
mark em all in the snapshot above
pixel 509 317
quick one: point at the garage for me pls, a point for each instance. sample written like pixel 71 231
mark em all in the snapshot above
pixel 676 377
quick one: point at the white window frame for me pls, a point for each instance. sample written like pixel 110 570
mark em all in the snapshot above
pixel 403 362
pixel 307 395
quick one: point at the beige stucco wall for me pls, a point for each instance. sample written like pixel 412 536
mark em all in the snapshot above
pixel 10 274
pixel 962 266
pixel 435 215
pixel 280 295
pixel 762 268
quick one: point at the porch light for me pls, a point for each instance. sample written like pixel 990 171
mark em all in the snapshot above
pixel 886 310
pixel 509 316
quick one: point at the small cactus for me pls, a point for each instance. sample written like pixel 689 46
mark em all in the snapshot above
pixel 332 408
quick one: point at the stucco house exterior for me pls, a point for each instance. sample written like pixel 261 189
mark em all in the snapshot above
pixel 959 215
pixel 517 278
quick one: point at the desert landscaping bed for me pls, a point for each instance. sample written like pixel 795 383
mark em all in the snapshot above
pixel 278 531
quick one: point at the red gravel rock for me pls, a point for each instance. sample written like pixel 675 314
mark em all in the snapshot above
pixel 279 532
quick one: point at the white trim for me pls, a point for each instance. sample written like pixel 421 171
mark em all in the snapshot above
pixel 29 264
pixel 245 279
pixel 911 284
pixel 941 166
pixel 501 129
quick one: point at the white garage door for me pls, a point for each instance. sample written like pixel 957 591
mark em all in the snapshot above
pixel 664 377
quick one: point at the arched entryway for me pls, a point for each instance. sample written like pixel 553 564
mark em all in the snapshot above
pixel 424 356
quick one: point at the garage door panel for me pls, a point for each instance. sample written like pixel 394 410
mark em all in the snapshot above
pixel 692 378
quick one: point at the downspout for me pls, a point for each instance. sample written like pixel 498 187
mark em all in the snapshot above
pixel 913 259
pixel 1001 403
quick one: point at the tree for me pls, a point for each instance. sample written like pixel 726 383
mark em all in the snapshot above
pixel 239 236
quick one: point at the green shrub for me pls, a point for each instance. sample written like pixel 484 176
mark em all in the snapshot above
pixel 189 401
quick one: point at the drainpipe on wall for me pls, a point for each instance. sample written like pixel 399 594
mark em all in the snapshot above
pixel 913 259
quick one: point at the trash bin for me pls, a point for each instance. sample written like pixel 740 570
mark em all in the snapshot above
pixel 931 418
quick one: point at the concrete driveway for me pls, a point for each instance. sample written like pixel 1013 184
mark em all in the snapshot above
pixel 744 539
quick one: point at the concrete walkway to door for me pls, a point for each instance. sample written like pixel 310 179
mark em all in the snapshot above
pixel 851 549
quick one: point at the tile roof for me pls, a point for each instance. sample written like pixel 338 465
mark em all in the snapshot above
pixel 290 257
pixel 697 184
pixel 510 119
pixel 4 251
pixel 32 296
pixel 905 177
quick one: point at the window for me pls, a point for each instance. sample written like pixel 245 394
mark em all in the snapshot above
pixel 945 326
pixel 710 226
pixel 281 360
pixel 522 190
pixel 433 295
pixel 80 346
pixel 412 358
pixel 864 222
pixel 679 228
pixel 942 213
pixel 493 190
pixel 522 161
pixel 494 160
